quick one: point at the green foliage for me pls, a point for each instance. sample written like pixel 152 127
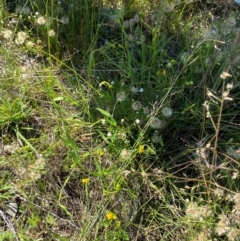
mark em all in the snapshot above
pixel 7 236
pixel 12 111
pixel 6 189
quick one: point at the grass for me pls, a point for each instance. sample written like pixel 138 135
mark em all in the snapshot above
pixel 119 123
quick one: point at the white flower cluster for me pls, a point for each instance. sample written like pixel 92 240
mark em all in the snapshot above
pixel 167 112
pixel 131 22
pixel 51 33
pixel 41 20
pixel 234 153
pixel 156 123
pixel 135 35
pixel 197 213
pixel 64 20
pixel 121 96
pixel 21 38
pixel 136 105
pixel 135 90
pixel 22 10
pixel 7 34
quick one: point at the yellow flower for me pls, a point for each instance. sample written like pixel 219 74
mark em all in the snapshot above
pixel 141 149
pixel 100 153
pixel 111 216
pixel 164 72
pixel 85 180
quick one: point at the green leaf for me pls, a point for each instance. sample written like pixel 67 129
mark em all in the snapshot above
pixel 111 122
pixel 104 137
pixel 108 116
pixel 34 220
pixel 105 113
pixel 65 209
pixel 20 136
pixel 189 83
pixel 50 219
pixel 59 98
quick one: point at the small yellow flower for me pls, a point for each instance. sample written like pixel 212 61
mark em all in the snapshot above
pixel 164 72
pixel 101 153
pixel 111 216
pixel 85 180
pixel 141 149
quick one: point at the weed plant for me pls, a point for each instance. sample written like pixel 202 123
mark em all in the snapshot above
pixel 119 120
